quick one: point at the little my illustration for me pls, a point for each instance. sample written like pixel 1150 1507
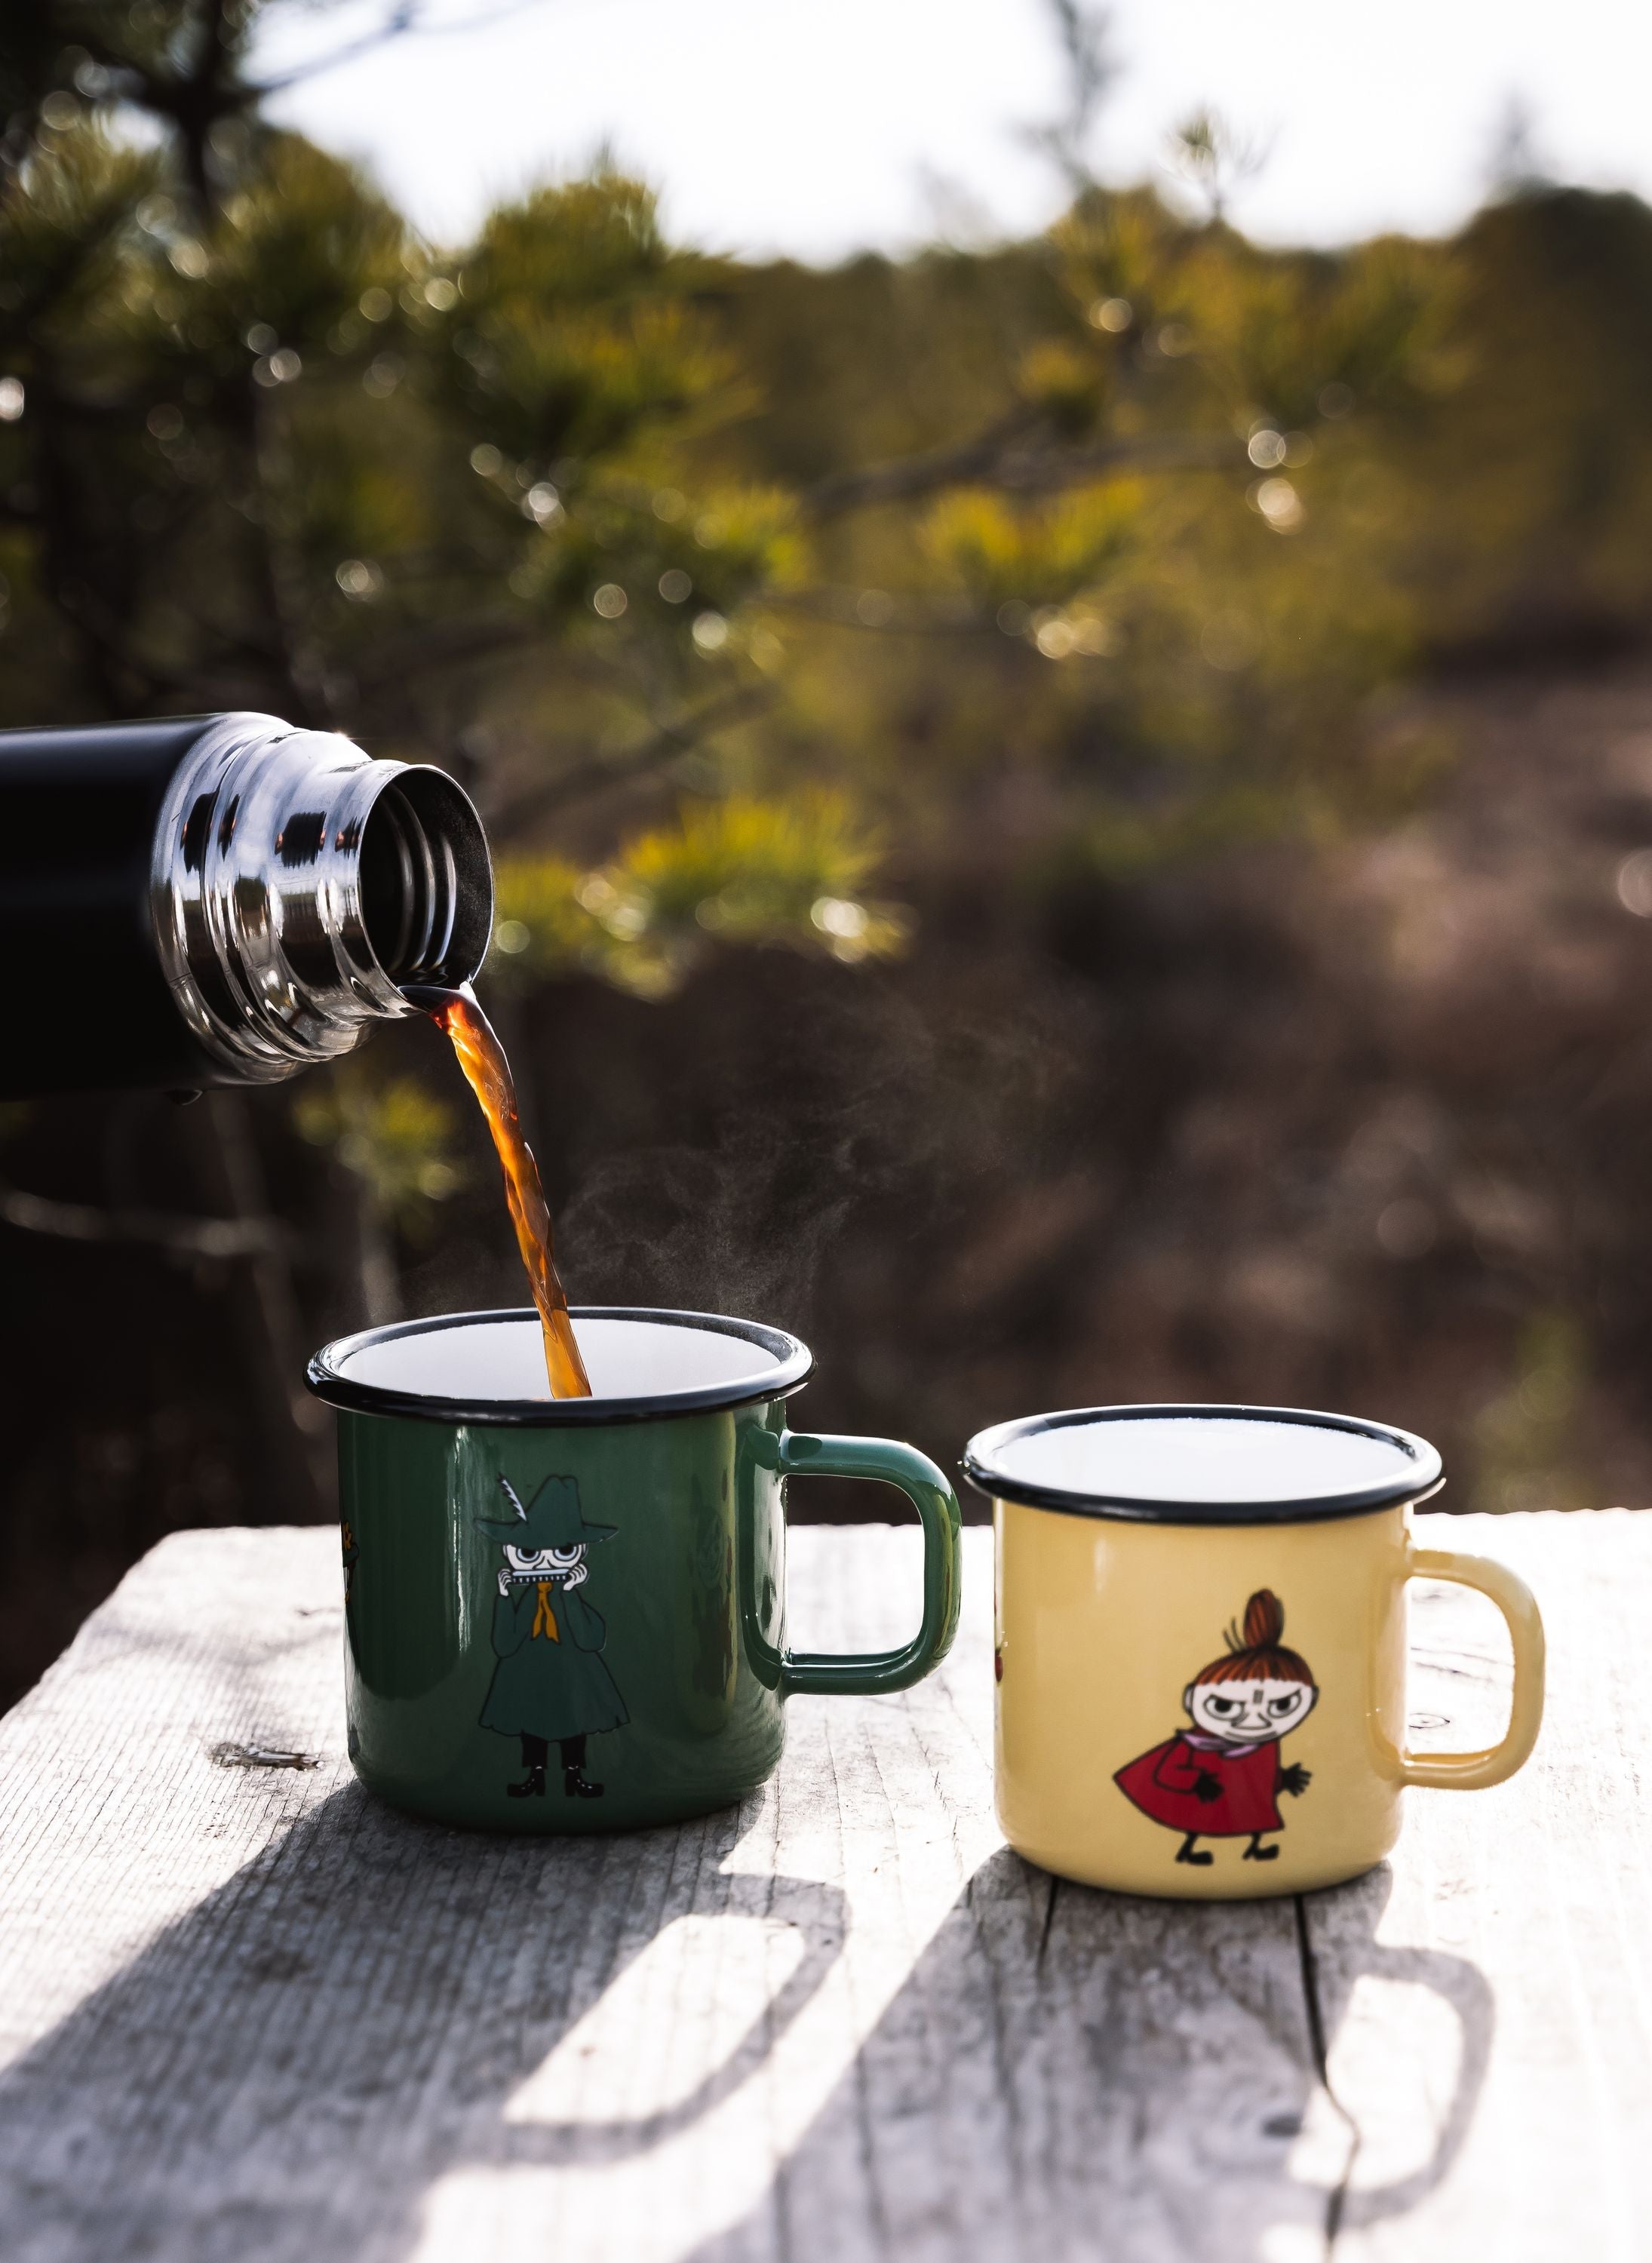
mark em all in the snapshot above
pixel 1222 1779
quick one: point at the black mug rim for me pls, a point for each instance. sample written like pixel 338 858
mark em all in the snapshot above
pixel 1404 1488
pixel 795 1363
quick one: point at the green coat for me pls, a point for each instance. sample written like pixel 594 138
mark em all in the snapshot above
pixel 546 1686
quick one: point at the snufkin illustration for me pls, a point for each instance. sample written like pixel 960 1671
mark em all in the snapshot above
pixel 551 1686
pixel 1222 1779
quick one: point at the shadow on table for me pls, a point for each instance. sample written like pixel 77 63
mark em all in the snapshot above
pixel 1341 1927
pixel 289 2070
pixel 286 2071
pixel 1069 2073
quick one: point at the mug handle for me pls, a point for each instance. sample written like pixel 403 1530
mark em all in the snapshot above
pixel 1474 1771
pixel 794 1453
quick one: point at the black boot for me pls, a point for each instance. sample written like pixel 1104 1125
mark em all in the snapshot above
pixel 535 1752
pixel 575 1783
pixel 1256 1852
pixel 1184 1852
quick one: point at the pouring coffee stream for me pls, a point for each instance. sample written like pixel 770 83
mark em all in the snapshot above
pixel 487 1072
pixel 243 900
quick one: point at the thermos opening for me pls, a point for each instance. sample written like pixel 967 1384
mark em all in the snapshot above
pixel 426 893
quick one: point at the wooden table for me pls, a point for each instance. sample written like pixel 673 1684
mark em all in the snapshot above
pixel 247 2014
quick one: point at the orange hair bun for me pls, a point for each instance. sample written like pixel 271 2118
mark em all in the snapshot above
pixel 1257 1653
pixel 1265 1621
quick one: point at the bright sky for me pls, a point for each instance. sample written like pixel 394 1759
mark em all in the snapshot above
pixel 820 129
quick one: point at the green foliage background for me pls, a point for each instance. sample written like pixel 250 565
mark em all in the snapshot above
pixel 931 694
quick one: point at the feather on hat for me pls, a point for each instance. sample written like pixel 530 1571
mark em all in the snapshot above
pixel 552 1519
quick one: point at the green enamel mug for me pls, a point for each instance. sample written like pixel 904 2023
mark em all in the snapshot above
pixel 569 1615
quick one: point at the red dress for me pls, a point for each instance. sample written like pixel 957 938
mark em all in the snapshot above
pixel 1161 1784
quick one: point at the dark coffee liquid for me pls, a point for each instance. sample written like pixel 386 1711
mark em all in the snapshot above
pixel 487 1072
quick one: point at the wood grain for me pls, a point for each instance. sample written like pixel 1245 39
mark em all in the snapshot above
pixel 1490 1994
pixel 246 2013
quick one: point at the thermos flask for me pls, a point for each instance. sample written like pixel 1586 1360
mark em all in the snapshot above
pixel 221 900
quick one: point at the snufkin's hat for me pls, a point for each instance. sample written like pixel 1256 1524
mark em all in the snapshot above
pixel 552 1519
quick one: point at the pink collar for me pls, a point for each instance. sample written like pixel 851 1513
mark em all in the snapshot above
pixel 1227 1748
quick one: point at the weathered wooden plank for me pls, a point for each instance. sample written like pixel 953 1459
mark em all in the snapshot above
pixel 245 2011
pixel 1488 2000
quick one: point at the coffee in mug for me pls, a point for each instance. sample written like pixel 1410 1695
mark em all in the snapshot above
pixel 568 1614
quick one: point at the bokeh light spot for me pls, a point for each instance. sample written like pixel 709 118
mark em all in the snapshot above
pixel 1280 504
pixel 1226 641
pixel 359 579
pixel 1407 1228
pixel 1634 883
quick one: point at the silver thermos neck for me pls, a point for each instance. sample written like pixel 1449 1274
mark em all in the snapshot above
pixel 298 885
pixel 225 898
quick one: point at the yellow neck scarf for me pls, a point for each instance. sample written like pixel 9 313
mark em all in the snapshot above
pixel 544 1616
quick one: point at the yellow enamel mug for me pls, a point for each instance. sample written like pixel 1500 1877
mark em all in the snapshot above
pixel 1200 1644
